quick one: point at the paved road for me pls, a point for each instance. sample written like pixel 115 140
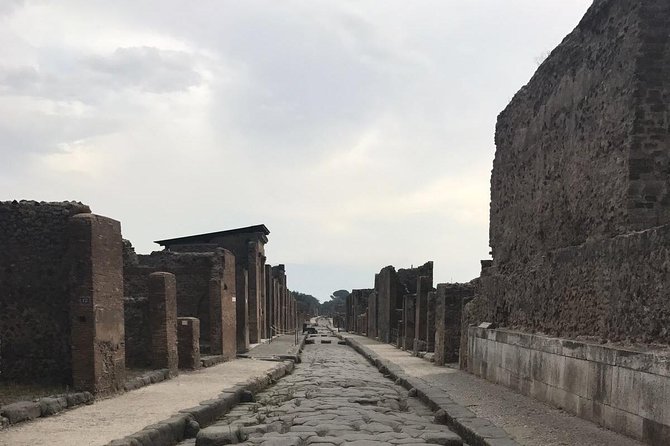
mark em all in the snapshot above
pixel 334 397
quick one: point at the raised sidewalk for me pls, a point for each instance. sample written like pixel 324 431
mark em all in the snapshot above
pixel 526 421
pixel 129 413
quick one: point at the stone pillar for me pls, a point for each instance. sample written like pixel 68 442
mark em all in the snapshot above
pixel 254 281
pixel 451 298
pixel 163 321
pixel 430 322
pixel 223 308
pixel 262 298
pixel 423 287
pixel 96 304
pixel 269 301
pixel 276 313
pixel 389 300
pixel 188 334
pixel 372 316
pixel 241 300
pixel 408 321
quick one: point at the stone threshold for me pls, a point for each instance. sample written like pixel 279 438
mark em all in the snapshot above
pixel 188 422
pixel 476 431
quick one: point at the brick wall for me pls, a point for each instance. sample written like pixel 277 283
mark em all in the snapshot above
pixel 34 293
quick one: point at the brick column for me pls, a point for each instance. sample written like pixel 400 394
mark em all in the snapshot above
pixel 408 318
pixel 423 286
pixel 163 321
pixel 430 322
pixel 188 334
pixel 254 276
pixel 241 287
pixel 262 299
pixel 216 340
pixel 372 316
pixel 269 301
pixel 96 304
pixel 277 301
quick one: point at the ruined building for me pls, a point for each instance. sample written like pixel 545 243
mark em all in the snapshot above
pixel 248 247
pixel 580 234
pixel 78 306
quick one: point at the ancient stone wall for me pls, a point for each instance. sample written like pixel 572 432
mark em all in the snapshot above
pixel 371 331
pixel 193 271
pixel 137 332
pixel 450 300
pixel 408 277
pixel 581 165
pixel 34 292
pixel 96 304
pixel 389 299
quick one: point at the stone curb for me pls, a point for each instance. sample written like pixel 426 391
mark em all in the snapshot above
pixel 22 411
pixel 153 377
pixel 210 361
pixel 476 431
pixel 187 422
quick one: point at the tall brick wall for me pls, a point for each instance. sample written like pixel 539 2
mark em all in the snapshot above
pixel 581 165
pixel 34 293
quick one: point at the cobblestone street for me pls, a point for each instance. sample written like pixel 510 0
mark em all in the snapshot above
pixel 333 397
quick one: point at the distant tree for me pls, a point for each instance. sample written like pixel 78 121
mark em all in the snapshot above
pixel 307 305
pixel 336 305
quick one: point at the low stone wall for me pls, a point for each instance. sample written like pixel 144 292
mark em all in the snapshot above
pixel 624 390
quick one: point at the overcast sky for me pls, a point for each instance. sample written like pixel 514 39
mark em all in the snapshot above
pixel 360 132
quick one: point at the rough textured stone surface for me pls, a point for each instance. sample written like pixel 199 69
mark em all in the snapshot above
pixel 431 301
pixel 423 287
pixel 188 335
pixel 408 319
pixel 34 294
pixel 334 396
pixel 581 165
pixel 137 331
pixel 163 321
pixel 96 304
pixel 451 298
pixel 21 411
pixel 193 272
pixel 248 247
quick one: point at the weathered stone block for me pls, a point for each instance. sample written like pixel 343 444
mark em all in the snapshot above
pixel 21 411
pixel 51 406
pixel 96 304
pixel 163 321
pixel 188 334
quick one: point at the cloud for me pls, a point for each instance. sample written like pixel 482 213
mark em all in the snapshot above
pixel 7 7
pixel 360 133
pixel 145 68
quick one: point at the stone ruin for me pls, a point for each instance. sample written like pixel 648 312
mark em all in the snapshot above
pixel 61 306
pixel 78 306
pixel 580 187
pixel 580 228
pixel 573 304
